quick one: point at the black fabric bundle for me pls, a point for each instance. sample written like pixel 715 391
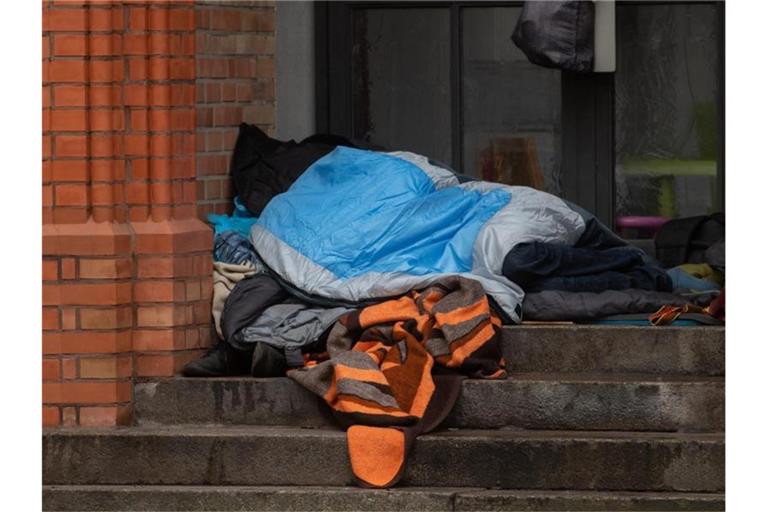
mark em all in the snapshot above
pixel 263 167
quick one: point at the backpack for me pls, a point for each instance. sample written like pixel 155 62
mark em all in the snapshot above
pixel 697 239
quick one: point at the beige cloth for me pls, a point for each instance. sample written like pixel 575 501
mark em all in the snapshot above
pixel 225 277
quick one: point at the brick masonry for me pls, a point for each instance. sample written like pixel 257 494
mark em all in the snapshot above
pixel 126 260
pixel 235 43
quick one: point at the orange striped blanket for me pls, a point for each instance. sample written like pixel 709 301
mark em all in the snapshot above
pixel 378 377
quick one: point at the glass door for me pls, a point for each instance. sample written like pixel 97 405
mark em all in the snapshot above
pixel 401 84
pixel 444 79
pixel 668 134
pixel 510 108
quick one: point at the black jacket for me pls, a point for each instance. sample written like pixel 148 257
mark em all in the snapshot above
pixel 263 167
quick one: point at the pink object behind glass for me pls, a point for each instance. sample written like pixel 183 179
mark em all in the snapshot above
pixel 647 226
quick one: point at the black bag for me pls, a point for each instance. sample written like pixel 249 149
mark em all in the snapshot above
pixel 688 240
pixel 263 167
pixel 558 34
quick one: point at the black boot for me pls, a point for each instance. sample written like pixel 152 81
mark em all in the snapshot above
pixel 221 360
pixel 268 361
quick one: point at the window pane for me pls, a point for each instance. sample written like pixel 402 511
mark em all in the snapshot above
pixel 401 79
pixel 510 107
pixel 666 110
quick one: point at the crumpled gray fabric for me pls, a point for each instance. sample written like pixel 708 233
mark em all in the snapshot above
pixel 248 300
pixel 553 305
pixel 291 326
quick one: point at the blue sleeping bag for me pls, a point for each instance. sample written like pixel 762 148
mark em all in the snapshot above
pixel 361 225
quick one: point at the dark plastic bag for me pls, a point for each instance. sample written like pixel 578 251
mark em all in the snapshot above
pixel 558 34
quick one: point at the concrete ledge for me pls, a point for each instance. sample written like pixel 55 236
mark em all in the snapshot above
pixel 230 498
pixel 613 349
pixel 524 401
pixel 205 455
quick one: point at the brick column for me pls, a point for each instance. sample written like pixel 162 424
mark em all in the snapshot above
pixel 126 263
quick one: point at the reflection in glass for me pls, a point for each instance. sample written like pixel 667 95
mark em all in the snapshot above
pixel 401 79
pixel 666 119
pixel 510 107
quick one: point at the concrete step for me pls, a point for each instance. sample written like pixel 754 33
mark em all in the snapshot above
pixel 192 498
pixel 243 455
pixel 556 401
pixel 613 349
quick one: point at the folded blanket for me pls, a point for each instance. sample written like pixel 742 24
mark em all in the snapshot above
pixel 378 376
pixel 554 305
pixel 290 327
pixel 640 278
pixel 246 303
pixel 538 266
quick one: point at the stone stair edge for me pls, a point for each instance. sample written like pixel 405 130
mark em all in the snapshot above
pixel 604 327
pixel 353 498
pixel 227 430
pixel 363 490
pixel 508 459
pixel 564 377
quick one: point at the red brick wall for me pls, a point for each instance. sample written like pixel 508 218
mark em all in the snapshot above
pixel 235 82
pixel 138 126
pixel 126 263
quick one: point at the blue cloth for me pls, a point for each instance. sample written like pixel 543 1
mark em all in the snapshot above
pixel 240 210
pixel 357 212
pixel 240 221
pixel 682 280
pixel 538 266
pixel 222 223
pixel 233 247
pixel 231 242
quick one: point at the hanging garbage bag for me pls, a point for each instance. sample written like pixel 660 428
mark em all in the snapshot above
pixel 558 34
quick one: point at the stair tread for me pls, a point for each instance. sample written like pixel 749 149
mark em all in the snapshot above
pixel 605 327
pixel 528 401
pixel 269 455
pixel 569 377
pixel 311 488
pixel 615 349
pixel 297 432
pixel 578 377
pixel 238 497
